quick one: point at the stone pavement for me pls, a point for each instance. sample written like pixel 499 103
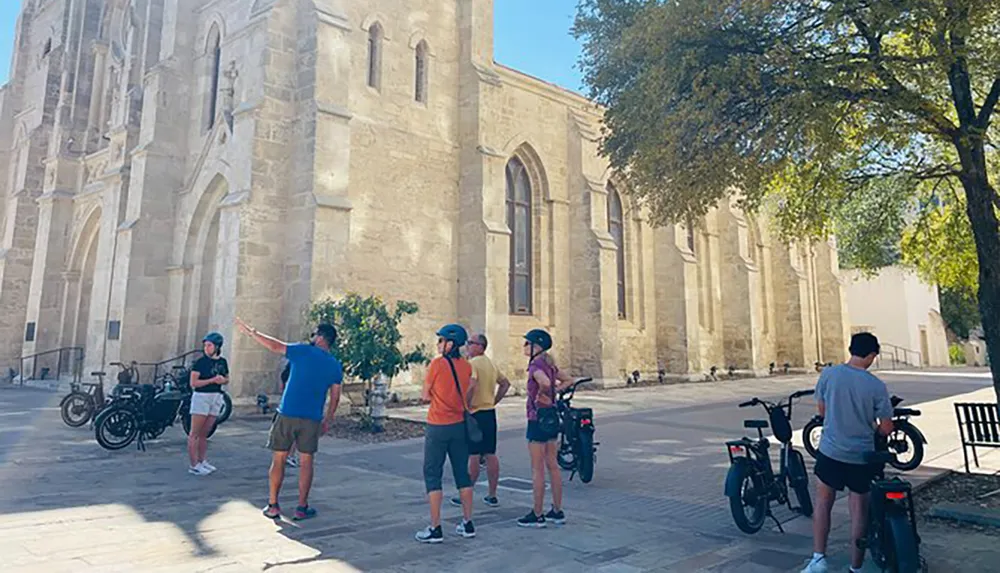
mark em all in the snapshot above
pixel 656 503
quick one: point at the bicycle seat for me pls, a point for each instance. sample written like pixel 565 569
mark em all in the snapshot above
pixel 178 367
pixel 754 424
pixel 878 457
pixel 906 412
pixel 98 373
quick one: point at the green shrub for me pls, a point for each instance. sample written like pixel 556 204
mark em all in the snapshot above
pixel 956 354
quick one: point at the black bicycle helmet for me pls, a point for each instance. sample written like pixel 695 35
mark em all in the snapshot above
pixel 215 338
pixel 455 333
pixel 539 337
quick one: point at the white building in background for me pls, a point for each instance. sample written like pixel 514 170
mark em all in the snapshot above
pixel 903 312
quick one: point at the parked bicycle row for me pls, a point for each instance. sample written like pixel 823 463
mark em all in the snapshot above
pixel 849 451
pixel 134 411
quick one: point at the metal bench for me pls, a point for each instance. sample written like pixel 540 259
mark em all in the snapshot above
pixel 979 426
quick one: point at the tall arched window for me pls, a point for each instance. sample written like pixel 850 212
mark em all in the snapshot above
pixel 214 53
pixel 616 226
pixel 519 222
pixel 375 36
pixel 420 76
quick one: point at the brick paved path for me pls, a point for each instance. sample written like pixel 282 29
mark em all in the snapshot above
pixel 655 504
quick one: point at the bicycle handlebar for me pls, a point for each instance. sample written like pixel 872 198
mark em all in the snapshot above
pixel 748 404
pixel 802 393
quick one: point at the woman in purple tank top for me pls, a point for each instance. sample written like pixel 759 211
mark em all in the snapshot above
pixel 543 382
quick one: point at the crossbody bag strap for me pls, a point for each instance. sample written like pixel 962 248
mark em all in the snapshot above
pixel 454 376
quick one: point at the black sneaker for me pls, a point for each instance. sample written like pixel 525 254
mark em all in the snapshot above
pixel 491 501
pixel 466 529
pixel 456 501
pixel 531 520
pixel 430 535
pixel 557 517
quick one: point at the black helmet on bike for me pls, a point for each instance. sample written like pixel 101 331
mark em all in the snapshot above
pixel 216 339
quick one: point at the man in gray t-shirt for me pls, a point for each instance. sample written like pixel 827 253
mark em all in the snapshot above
pixel 851 401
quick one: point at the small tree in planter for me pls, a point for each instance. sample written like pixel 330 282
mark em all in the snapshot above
pixel 368 340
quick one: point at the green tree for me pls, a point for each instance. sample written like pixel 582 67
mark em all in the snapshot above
pixel 800 105
pixel 368 337
pixel 959 311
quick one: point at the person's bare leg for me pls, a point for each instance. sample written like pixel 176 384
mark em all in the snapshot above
pixel 825 496
pixel 858 504
pixel 466 494
pixel 276 475
pixel 435 501
pixel 194 436
pixel 492 473
pixel 206 427
pixel 474 469
pixel 537 476
pixel 305 477
pixel 555 476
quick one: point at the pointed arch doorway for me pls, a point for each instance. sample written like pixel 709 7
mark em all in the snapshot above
pixel 80 284
pixel 202 258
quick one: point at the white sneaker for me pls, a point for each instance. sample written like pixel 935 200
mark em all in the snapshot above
pixel 208 466
pixel 198 470
pixel 816 565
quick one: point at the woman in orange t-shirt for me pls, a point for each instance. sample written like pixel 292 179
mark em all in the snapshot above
pixel 447 387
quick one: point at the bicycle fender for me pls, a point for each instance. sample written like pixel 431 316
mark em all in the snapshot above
pixel 923 438
pixel 733 477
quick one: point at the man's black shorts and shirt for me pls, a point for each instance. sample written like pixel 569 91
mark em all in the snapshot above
pixel 854 399
pixel 483 407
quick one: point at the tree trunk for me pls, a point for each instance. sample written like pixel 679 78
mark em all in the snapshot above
pixel 983 217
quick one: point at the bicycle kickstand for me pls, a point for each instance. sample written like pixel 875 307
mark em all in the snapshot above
pixel 140 443
pixel 776 522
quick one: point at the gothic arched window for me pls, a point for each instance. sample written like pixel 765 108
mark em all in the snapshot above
pixel 214 53
pixel 375 36
pixel 420 76
pixel 616 226
pixel 519 222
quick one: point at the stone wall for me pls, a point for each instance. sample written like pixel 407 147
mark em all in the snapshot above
pixel 320 174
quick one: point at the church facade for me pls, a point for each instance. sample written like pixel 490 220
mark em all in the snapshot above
pixel 169 165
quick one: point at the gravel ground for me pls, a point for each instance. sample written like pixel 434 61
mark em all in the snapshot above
pixel 963 488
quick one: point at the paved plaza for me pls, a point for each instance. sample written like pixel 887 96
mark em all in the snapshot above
pixel 656 502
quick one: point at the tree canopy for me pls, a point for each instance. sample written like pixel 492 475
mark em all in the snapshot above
pixel 817 111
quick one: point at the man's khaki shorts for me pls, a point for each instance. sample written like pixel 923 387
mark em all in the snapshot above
pixel 302 432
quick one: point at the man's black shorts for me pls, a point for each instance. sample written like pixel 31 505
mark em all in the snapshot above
pixel 837 474
pixel 487 420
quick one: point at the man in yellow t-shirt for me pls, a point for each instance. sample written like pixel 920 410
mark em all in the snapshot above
pixel 491 387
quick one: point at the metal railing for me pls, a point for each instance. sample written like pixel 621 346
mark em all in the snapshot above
pixel 68 360
pixel 892 357
pixel 180 359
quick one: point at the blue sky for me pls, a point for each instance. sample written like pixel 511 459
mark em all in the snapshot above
pixel 531 36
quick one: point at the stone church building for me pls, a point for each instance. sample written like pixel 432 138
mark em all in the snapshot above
pixel 169 165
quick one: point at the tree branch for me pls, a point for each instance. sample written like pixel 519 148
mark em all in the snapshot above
pixel 988 106
pixel 912 102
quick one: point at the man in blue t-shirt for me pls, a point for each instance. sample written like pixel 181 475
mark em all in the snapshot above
pixel 300 420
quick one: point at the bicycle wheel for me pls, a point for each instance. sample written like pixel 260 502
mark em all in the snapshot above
pixel 586 446
pixel 227 408
pixel 908 435
pixel 751 496
pixel 811 434
pixel 116 428
pixel 902 542
pixel 76 409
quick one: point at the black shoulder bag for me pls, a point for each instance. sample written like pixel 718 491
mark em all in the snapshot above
pixel 472 430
